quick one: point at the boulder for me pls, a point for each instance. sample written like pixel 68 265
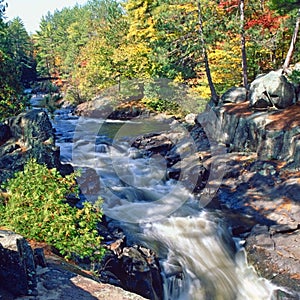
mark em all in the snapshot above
pixel 272 90
pixel 17 266
pixel 154 143
pixel 234 95
pixel 134 268
pixel 29 135
pixel 32 128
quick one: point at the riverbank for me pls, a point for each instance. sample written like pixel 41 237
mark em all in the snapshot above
pixel 257 197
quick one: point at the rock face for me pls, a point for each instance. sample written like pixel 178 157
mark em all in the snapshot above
pixel 28 135
pixel 261 186
pixel 17 266
pixel 272 135
pixel 275 256
pixel 26 274
pixel 271 90
pixel 132 267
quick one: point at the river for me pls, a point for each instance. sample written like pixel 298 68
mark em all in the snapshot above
pixel 199 258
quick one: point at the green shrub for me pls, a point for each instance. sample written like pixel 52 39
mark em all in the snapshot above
pixel 294 77
pixel 161 105
pixel 36 208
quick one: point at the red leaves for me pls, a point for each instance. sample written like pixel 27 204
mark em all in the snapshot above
pixel 263 18
pixel 265 21
pixel 229 5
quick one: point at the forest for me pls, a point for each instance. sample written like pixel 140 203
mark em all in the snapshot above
pixel 209 45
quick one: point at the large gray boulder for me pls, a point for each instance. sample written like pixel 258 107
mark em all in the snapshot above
pixel 28 135
pixel 272 90
pixel 32 127
pixel 271 134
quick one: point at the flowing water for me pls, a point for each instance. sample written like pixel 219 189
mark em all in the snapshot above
pixel 198 256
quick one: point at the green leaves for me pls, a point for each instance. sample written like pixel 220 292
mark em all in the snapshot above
pixel 36 208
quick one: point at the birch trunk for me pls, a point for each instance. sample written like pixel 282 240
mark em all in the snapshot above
pixel 293 43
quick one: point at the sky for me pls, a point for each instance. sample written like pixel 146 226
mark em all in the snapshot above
pixel 31 11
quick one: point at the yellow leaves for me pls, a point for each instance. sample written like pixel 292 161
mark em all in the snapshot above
pixel 203 90
pixel 187 8
pixel 134 59
pixel 179 78
pixel 225 66
pixel 225 61
pixel 142 24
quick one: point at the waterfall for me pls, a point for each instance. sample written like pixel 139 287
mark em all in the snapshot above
pixel 197 254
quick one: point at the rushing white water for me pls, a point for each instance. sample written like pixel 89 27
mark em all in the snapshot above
pixel 199 263
pixel 197 253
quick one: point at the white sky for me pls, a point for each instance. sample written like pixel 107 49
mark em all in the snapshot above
pixel 31 11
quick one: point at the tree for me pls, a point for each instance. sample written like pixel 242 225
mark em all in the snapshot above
pixel 69 43
pixel 15 59
pixel 214 96
pixel 20 49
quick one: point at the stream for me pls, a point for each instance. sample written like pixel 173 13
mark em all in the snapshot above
pixel 197 253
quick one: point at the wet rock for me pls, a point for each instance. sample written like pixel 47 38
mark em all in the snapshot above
pixel 89 181
pixel 154 143
pixel 17 266
pixel 134 268
pixel 271 90
pixel 276 255
pixel 39 257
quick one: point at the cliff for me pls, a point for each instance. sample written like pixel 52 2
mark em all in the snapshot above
pixel 272 134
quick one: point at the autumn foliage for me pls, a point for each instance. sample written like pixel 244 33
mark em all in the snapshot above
pixel 104 42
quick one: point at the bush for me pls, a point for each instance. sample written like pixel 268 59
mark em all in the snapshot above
pixel 294 77
pixel 160 105
pixel 36 208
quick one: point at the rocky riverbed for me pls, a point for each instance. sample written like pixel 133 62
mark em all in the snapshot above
pixel 258 194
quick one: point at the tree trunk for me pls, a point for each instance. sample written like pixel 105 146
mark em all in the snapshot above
pixel 293 43
pixel 243 44
pixel 214 95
